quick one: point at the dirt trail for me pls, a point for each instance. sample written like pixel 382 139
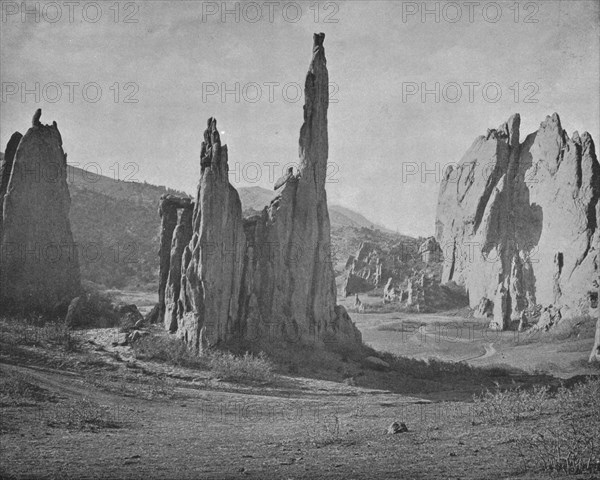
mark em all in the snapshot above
pixel 489 351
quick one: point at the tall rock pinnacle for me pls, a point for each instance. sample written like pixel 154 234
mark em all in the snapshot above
pixel 39 264
pixel 268 278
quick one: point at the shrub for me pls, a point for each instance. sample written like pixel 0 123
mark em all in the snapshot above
pixel 19 389
pixel 166 349
pixel 248 367
pixel 568 442
pixel 507 406
pixel 82 414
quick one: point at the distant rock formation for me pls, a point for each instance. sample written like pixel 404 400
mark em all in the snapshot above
pixel 518 222
pixel 365 269
pixel 39 265
pixel 269 277
pixel 430 251
pixel 354 284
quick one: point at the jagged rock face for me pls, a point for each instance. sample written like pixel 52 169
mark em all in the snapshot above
pixel 517 222
pixel 6 169
pixel 269 277
pixel 290 284
pixel 181 238
pixel 213 261
pixel 169 207
pixel 39 265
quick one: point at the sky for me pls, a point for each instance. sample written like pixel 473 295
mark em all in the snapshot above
pixel 131 85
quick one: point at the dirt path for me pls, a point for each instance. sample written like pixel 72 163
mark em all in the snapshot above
pixel 489 351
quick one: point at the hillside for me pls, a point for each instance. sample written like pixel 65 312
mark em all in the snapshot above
pixel 256 198
pixel 116 225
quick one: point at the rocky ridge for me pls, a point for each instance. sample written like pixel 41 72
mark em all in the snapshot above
pixel 518 222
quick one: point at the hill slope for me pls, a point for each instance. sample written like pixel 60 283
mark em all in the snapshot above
pixel 256 198
pixel 116 225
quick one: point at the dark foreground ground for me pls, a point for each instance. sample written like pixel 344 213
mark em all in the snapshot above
pixel 75 406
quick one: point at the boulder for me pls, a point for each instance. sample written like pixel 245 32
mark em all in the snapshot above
pixel 39 264
pixel 129 316
pixel 396 427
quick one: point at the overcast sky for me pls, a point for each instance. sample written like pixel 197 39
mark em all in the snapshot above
pixel 170 58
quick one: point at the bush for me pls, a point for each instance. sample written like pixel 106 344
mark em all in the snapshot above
pixel 82 414
pixel 227 366
pixel 500 407
pixel 166 349
pixel 18 389
pixel 568 442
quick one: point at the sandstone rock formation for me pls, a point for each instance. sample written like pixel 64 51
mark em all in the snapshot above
pixel 169 207
pixel 430 251
pixel 6 169
pixel 269 277
pixel 595 353
pixel 39 265
pixel 354 284
pixel 518 222
pixel 364 270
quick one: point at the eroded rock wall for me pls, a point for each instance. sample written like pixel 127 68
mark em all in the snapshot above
pixel 517 222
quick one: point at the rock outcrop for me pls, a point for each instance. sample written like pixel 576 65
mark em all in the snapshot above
pixel 269 277
pixel 430 252
pixel 365 270
pixel 518 222
pixel 595 353
pixel 169 211
pixel 6 169
pixel 39 265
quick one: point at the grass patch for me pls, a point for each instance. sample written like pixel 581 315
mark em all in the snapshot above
pixel 83 414
pixel 227 366
pixel 568 329
pixel 34 331
pixel 17 389
pixel 167 349
pixel 222 364
pixel 566 441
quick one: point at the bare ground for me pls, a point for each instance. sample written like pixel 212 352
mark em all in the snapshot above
pixel 95 411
